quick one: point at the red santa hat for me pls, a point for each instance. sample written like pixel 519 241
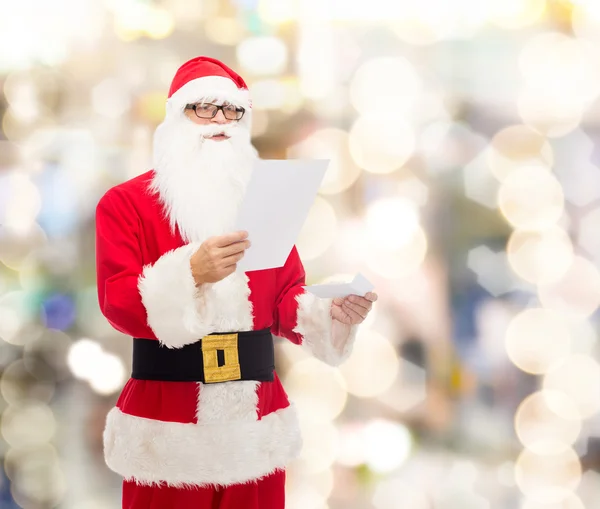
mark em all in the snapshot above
pixel 205 78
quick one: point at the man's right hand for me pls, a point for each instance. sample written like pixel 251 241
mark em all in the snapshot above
pixel 217 257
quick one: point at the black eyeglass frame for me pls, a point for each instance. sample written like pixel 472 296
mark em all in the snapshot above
pixel 222 108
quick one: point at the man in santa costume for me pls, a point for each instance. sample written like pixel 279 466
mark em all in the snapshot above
pixel 204 421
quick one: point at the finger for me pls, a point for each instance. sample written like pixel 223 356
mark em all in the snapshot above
pixel 230 238
pixel 358 309
pixel 360 301
pixel 371 296
pixel 232 260
pixel 338 301
pixel 356 318
pixel 233 249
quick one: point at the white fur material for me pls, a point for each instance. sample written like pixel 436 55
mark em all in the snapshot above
pixel 327 339
pixel 178 454
pixel 227 402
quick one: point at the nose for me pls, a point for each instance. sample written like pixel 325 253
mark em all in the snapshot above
pixel 219 118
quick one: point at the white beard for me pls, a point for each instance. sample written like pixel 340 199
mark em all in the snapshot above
pixel 200 181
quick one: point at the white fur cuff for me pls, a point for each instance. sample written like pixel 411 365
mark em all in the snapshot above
pixel 174 305
pixel 179 454
pixel 327 339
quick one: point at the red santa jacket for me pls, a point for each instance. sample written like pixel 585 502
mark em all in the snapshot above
pixel 188 433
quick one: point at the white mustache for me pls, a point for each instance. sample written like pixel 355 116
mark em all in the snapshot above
pixel 206 131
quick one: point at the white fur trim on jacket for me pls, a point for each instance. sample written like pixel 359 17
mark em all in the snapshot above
pixel 178 454
pixel 179 313
pixel 327 339
pixel 209 87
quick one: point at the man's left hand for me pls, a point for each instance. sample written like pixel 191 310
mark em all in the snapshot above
pixel 353 309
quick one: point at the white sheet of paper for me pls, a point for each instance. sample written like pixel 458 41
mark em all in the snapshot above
pixel 274 209
pixel 360 285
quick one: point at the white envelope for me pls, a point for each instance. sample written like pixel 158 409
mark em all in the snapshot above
pixel 274 209
pixel 360 285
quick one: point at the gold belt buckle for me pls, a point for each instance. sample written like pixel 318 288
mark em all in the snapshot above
pixel 228 343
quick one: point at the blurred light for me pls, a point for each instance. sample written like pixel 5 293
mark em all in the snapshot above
pixel 372 367
pixel 278 11
pixel 536 339
pixel 24 204
pixel 540 257
pixel 110 98
pixel 41 33
pixel 409 389
pixel 548 478
pixel 45 354
pixel 224 30
pixel 392 223
pixel 351 452
pixel 542 430
pixel 151 107
pixel 318 390
pixel 560 66
pixel 17 308
pixel 588 237
pixel 414 190
pixel 562 76
pixel 264 55
pixel 37 479
pixel 492 270
pixel 320 444
pixel 389 491
pixel 105 372
pixel 387 445
pixel 514 146
pixel 82 355
pixel 293 100
pixel 381 143
pixel 551 117
pixel 447 145
pixel 531 198
pixel 29 425
pixel 506 474
pixel 134 19
pixel 576 293
pixel 385 85
pixel 18 386
pixel 517 13
pixel 318 231
pixel 571 501
pixel 268 94
pixel 332 105
pixel 578 377
pixel 260 123
pixel 400 262
pixel 316 60
pixel 480 185
pixel 109 374
pixel 331 144
pixel 59 311
pixel 22 96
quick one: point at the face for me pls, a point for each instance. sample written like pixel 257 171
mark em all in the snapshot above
pixel 219 118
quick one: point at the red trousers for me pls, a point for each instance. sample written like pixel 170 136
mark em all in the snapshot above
pixel 268 493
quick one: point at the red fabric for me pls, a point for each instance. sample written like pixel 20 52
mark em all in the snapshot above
pixel 131 232
pixel 201 67
pixel 268 493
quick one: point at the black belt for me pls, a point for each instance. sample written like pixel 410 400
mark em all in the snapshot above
pixel 217 357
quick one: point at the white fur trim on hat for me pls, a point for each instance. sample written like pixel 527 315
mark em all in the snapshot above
pixel 208 87
pixel 327 339
pixel 179 454
pixel 179 313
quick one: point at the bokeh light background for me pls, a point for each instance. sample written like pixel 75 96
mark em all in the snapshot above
pixel 464 183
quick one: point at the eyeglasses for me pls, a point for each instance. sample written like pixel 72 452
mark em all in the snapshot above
pixel 207 110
